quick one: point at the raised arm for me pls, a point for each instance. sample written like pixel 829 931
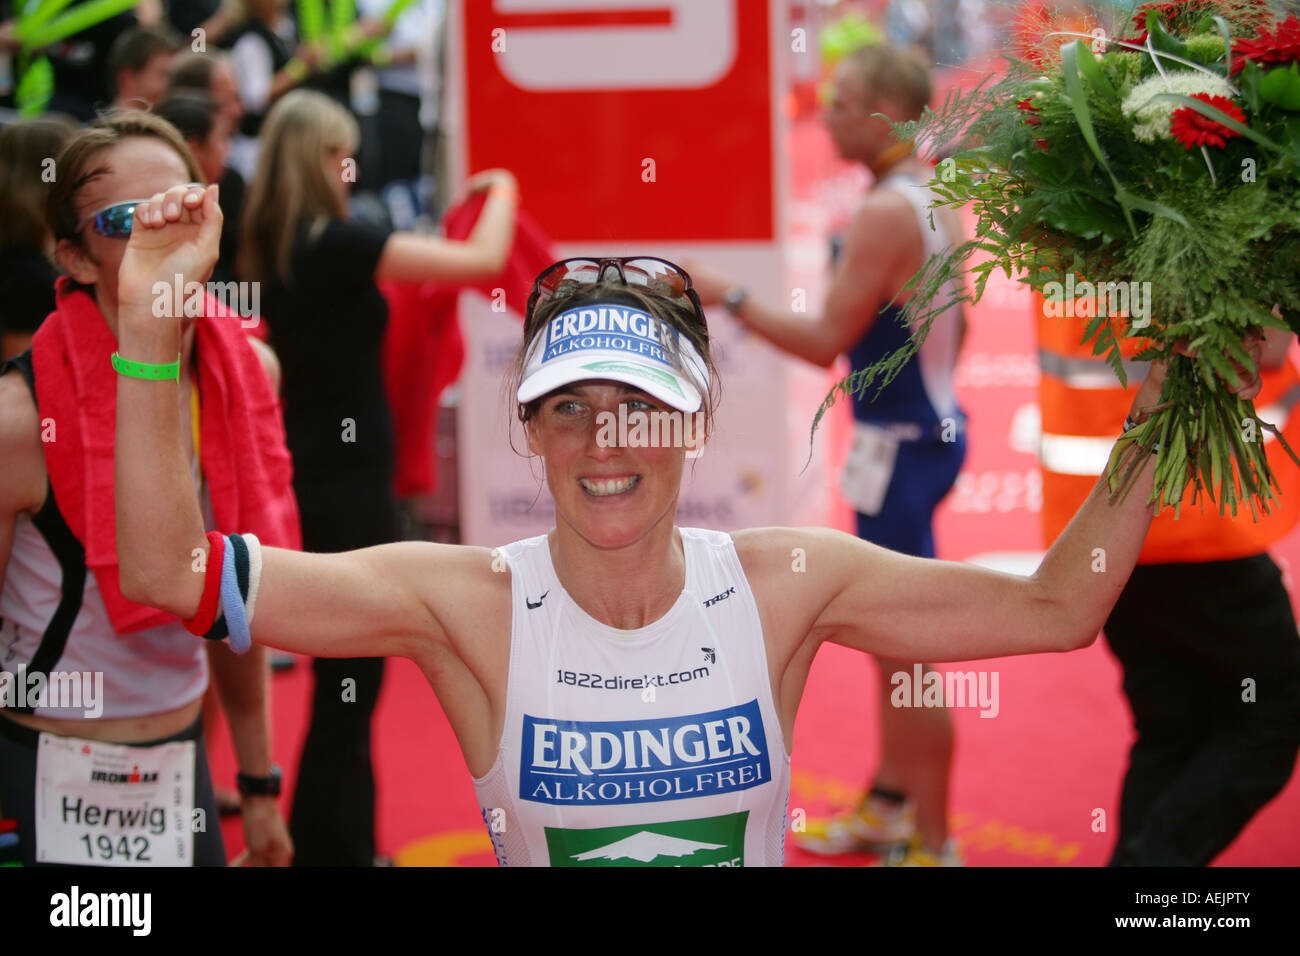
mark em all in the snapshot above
pixel 832 586
pixel 865 276
pixel 372 602
pixel 410 257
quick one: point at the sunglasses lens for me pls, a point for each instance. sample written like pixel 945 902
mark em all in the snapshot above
pixel 115 221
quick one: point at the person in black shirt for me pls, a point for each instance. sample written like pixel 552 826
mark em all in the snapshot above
pixel 326 317
pixel 27 272
pixel 81 73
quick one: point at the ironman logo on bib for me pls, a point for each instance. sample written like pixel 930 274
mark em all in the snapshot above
pixel 604 763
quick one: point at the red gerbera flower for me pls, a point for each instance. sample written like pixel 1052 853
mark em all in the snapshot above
pixel 1192 129
pixel 1281 47
pixel 1031 112
pixel 1241 12
pixel 1167 11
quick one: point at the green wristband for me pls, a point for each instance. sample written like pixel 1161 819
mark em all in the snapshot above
pixel 145 370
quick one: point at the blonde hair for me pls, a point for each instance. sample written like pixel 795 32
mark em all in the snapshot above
pixel 291 187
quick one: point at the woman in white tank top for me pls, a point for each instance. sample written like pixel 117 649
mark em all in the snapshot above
pixel 623 690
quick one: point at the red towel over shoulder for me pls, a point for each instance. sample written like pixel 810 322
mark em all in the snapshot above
pixel 244 458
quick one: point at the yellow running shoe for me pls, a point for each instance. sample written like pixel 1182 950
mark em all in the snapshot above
pixel 914 853
pixel 871 827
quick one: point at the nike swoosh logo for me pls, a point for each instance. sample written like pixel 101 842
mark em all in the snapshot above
pixel 531 605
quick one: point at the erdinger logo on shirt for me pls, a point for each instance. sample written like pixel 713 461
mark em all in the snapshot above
pixel 608 328
pixel 601 763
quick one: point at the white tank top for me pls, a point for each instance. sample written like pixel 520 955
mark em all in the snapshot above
pixel 149 671
pixel 659 746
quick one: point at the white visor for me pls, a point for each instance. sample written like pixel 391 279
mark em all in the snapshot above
pixel 618 342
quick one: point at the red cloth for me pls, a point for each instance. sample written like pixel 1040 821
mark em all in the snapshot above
pixel 423 354
pixel 529 255
pixel 244 458
pixel 423 347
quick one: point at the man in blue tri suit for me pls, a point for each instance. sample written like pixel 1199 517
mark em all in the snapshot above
pixel 909 442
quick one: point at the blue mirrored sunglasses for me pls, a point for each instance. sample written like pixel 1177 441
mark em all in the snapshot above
pixel 114 222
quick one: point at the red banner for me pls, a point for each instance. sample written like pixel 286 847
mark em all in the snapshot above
pixel 626 119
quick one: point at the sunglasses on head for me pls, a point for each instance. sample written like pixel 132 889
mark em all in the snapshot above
pixel 657 276
pixel 114 222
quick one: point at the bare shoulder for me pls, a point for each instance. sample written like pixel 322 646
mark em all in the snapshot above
pixel 884 209
pixel 883 229
pixel 449 570
pixel 779 545
pixel 22 487
pixel 270 362
pixel 467 587
pixel 791 567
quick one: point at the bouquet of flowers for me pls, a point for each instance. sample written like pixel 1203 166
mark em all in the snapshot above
pixel 1167 161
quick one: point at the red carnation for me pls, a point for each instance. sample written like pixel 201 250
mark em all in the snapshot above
pixel 1166 11
pixel 1031 112
pixel 1190 128
pixel 1237 11
pixel 1234 11
pixel 1281 47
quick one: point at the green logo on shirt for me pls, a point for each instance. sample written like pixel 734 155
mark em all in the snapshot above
pixel 711 841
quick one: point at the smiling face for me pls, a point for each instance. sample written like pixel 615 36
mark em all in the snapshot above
pixel 137 167
pixel 612 495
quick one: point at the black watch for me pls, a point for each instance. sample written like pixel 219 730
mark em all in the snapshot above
pixel 735 298
pixel 259 786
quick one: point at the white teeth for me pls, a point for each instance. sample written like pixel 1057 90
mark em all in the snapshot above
pixel 608 486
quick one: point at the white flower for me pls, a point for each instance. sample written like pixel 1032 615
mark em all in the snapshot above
pixel 1151 119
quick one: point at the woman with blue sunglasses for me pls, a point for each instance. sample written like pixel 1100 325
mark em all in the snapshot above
pixel 61 610
pixel 623 690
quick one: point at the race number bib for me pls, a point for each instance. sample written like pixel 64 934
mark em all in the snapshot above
pixel 104 804
pixel 868 468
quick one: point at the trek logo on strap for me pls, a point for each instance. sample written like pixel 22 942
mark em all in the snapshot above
pixel 711 841
pixel 607 328
pixel 604 763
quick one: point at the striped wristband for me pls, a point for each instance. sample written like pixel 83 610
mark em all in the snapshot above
pixel 234 587
pixel 254 574
pixel 201 623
